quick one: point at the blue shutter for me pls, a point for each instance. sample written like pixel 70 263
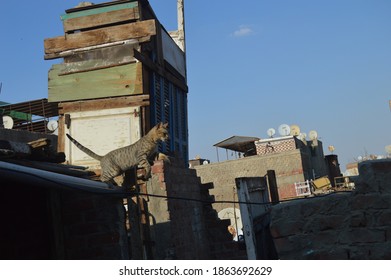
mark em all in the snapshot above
pixel 169 104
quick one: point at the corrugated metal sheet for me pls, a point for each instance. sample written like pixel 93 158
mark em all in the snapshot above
pixel 37 177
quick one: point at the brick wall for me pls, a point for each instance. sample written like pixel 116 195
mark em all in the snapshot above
pixel 354 225
pixel 275 145
pixel 289 166
pixel 93 226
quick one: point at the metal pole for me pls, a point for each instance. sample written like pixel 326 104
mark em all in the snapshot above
pixel 181 25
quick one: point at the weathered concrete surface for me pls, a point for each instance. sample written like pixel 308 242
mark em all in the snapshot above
pixel 354 225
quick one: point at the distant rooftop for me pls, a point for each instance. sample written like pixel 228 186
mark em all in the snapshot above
pixel 31 115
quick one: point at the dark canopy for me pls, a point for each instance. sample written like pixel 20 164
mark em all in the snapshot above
pixel 243 144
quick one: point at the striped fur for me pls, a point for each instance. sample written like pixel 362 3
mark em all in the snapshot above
pixel 120 160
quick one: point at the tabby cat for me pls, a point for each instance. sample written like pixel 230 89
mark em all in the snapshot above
pixel 120 160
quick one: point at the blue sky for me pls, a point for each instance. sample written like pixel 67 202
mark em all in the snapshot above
pixel 252 65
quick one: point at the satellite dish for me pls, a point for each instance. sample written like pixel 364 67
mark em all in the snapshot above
pixel 271 132
pixel 295 130
pixel 52 125
pixel 284 130
pixel 8 122
pixel 313 135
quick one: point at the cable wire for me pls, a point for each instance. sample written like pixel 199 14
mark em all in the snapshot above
pixel 127 194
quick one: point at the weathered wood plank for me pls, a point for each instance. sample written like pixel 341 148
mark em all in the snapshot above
pixel 102 19
pixel 101 36
pixel 93 10
pixel 99 59
pixel 61 134
pixel 115 81
pixel 106 103
pixel 39 143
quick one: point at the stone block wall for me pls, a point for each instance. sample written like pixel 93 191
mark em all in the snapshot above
pixel 186 228
pixel 345 225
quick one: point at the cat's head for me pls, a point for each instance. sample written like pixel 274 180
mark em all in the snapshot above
pixel 160 132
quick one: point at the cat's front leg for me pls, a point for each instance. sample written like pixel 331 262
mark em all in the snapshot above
pixel 147 167
pixel 161 156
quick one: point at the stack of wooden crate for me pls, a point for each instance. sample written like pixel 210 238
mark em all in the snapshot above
pixel 121 74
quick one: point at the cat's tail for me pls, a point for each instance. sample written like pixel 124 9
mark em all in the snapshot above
pixel 84 149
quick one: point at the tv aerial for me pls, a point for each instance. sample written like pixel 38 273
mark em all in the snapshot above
pixel 271 132
pixel 284 130
pixel 295 130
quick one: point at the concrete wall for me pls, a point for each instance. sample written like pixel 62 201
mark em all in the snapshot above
pixel 289 166
pixel 353 225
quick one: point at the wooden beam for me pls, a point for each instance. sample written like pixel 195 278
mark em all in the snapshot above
pixel 135 30
pixel 107 103
pixel 73 52
pixel 101 19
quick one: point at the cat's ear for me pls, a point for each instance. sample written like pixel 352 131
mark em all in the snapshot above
pixel 165 125
pixel 159 125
